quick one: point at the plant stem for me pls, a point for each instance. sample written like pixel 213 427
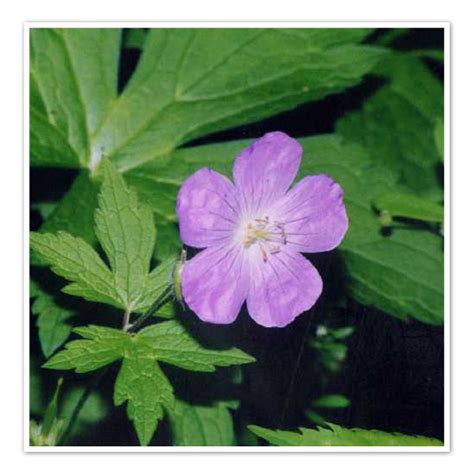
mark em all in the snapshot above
pixel 164 297
pixel 126 321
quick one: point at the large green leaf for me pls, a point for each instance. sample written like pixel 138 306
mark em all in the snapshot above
pixel 396 124
pixel 338 436
pixel 74 84
pixel 189 82
pixel 401 273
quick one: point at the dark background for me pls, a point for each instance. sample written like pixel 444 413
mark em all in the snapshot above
pixel 393 373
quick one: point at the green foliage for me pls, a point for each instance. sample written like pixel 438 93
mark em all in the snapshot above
pixel 118 217
pixel 329 343
pixel 439 136
pixel 396 123
pixel 202 425
pixel 409 206
pixel 74 80
pixel 126 231
pixel 338 436
pixel 140 381
pixel 173 344
pixel 49 431
pixel 52 320
pixel 180 89
pixel 332 401
pixel 144 386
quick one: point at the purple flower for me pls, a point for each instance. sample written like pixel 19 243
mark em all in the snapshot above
pixel 253 231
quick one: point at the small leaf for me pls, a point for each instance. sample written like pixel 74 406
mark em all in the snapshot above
pixel 338 436
pixel 332 401
pixel 51 320
pixel 174 345
pixel 410 206
pixel 202 425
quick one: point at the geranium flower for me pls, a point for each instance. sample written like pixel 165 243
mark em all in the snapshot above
pixel 253 231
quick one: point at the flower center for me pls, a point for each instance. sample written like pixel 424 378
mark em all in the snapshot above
pixel 268 235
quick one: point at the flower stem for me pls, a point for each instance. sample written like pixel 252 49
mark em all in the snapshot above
pixel 165 296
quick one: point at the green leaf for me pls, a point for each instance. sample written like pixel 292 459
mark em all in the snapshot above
pixel 332 401
pixel 174 345
pixel 439 136
pixel 140 381
pixel 135 38
pixel 409 206
pixel 74 77
pixel 52 320
pixel 338 436
pixel 93 411
pixel 101 346
pixel 396 123
pixel 74 259
pixel 189 82
pixel 75 212
pixel 202 425
pixel 52 411
pixel 402 273
pixel 48 146
pixel 143 385
pixel 126 231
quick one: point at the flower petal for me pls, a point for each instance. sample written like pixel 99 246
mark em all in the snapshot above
pixel 207 209
pixel 282 288
pixel 313 213
pixel 264 171
pixel 214 285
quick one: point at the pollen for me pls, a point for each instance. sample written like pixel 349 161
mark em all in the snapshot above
pixel 268 235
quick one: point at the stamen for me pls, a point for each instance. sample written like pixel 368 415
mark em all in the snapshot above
pixel 268 235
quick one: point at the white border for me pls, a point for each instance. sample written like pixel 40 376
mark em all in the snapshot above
pixel 447 238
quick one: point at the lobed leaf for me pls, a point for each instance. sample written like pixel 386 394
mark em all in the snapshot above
pixel 174 345
pixel 338 436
